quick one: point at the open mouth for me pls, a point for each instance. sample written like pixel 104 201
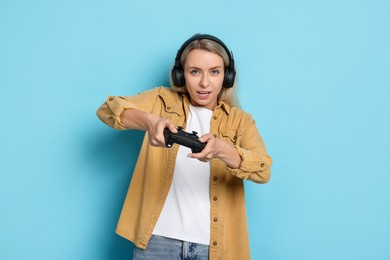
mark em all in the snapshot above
pixel 203 94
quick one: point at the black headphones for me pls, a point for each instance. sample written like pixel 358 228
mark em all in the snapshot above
pixel 177 72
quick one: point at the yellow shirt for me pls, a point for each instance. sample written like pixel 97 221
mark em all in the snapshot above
pixel 153 172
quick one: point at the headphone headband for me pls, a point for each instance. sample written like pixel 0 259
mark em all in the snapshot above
pixel 177 70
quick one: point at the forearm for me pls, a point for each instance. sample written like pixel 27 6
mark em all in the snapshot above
pixel 228 154
pixel 153 124
pixel 136 119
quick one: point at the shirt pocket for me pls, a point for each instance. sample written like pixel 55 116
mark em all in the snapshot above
pixel 173 116
pixel 229 135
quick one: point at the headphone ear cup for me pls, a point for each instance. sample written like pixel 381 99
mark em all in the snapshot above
pixel 229 78
pixel 178 77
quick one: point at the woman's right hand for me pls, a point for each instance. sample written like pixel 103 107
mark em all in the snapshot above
pixel 156 128
pixel 154 125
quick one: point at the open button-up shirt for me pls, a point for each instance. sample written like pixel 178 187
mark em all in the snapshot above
pixel 153 172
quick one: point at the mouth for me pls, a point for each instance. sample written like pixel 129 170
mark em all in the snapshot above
pixel 203 94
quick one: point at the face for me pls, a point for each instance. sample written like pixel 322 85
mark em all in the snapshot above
pixel 204 74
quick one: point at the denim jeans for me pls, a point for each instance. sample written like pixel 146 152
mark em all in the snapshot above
pixel 163 248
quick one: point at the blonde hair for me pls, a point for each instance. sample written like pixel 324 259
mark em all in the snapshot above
pixel 228 95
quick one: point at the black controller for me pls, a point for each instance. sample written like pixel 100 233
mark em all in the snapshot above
pixel 190 140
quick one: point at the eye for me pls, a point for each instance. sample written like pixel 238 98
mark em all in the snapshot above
pixel 215 72
pixel 194 72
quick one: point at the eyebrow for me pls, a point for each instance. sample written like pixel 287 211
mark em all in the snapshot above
pixel 194 67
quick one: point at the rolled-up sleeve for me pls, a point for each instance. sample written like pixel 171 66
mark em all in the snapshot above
pixel 255 162
pixel 109 112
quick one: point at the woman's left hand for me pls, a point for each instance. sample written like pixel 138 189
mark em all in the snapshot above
pixel 218 148
pixel 210 150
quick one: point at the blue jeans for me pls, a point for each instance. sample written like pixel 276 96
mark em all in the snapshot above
pixel 162 248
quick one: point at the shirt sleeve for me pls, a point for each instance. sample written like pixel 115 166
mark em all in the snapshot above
pixel 109 112
pixel 255 162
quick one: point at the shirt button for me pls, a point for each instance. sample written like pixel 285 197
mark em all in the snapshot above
pixel 215 243
pixel 262 165
pixel 215 219
pixel 215 198
pixel 169 108
pixel 215 178
pixel 215 117
pixel 110 99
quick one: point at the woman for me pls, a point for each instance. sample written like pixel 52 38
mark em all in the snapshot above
pixel 182 204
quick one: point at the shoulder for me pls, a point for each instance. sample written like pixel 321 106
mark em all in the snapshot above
pixel 158 91
pixel 245 122
pixel 164 93
pixel 170 100
pixel 239 114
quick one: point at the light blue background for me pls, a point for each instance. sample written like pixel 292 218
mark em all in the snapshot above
pixel 314 75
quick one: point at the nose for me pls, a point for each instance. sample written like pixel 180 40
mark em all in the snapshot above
pixel 204 81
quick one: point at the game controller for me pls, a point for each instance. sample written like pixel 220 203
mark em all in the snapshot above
pixel 190 140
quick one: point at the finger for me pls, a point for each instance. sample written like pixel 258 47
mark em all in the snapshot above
pixel 195 156
pixel 192 155
pixel 206 138
pixel 172 127
pixel 204 157
pixel 154 143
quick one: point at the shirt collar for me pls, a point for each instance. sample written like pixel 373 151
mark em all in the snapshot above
pixel 225 106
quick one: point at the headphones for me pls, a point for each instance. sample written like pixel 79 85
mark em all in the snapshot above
pixel 177 72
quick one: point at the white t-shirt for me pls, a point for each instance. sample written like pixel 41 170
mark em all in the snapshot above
pixel 186 212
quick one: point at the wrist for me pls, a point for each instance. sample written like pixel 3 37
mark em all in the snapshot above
pixel 219 148
pixel 228 153
pixel 150 121
pixel 136 119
